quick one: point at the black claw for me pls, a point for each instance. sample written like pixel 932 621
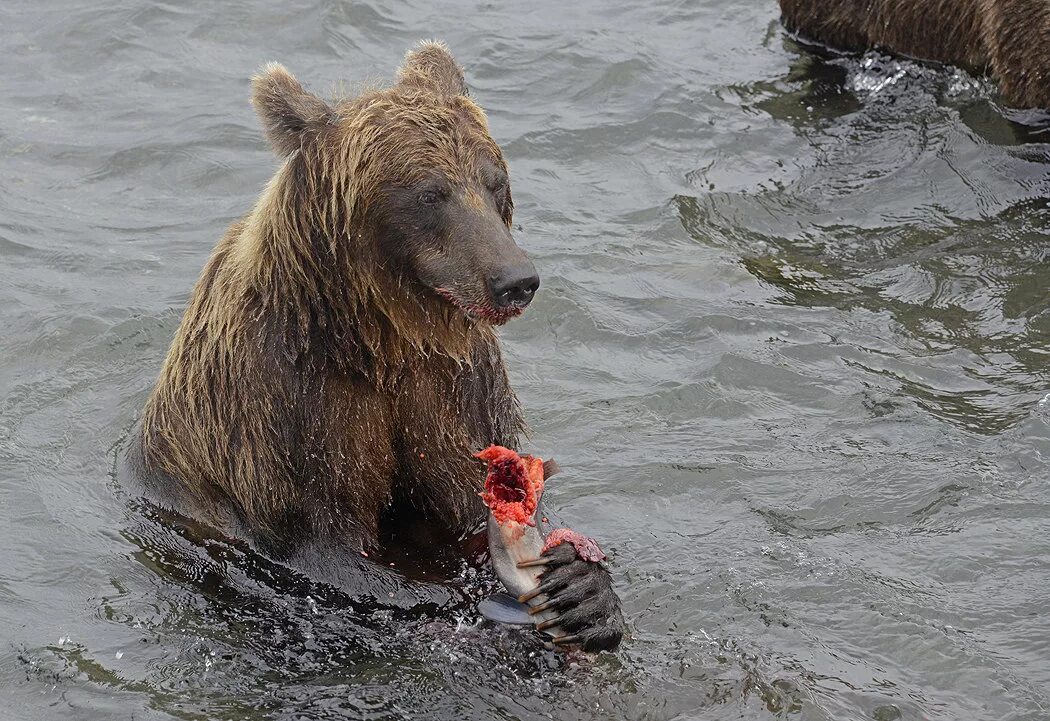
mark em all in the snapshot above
pixel 544 625
pixel 541 608
pixel 526 597
pixel 541 561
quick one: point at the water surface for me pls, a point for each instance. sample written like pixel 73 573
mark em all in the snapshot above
pixel 790 350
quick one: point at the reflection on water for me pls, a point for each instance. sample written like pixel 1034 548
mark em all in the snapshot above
pixel 790 352
pixel 954 267
pixel 971 292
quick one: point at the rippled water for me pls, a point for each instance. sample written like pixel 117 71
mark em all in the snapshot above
pixel 791 351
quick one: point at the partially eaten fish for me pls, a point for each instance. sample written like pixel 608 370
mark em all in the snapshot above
pixel 513 491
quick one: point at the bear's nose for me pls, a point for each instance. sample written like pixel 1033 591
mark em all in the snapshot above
pixel 514 285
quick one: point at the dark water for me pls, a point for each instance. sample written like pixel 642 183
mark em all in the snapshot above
pixel 791 351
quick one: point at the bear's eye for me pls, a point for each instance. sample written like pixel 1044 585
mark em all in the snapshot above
pixel 429 197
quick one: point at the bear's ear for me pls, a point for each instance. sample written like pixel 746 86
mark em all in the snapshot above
pixel 431 67
pixel 290 115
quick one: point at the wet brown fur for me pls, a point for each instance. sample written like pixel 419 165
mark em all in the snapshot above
pixel 312 388
pixel 1008 38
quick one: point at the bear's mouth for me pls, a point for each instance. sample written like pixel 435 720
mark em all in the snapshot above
pixel 481 311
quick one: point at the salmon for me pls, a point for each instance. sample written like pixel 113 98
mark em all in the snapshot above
pixel 513 491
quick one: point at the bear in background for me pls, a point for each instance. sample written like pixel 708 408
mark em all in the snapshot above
pixel 1009 38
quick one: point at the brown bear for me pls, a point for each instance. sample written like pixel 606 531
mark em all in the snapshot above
pixel 1009 38
pixel 338 364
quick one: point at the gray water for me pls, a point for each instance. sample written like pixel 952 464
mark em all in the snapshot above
pixel 790 351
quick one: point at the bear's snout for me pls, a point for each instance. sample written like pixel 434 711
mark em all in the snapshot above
pixel 514 286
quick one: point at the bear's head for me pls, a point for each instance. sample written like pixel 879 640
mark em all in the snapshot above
pixel 406 179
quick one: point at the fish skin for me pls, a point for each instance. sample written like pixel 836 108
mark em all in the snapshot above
pixel 511 543
pixel 504 608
